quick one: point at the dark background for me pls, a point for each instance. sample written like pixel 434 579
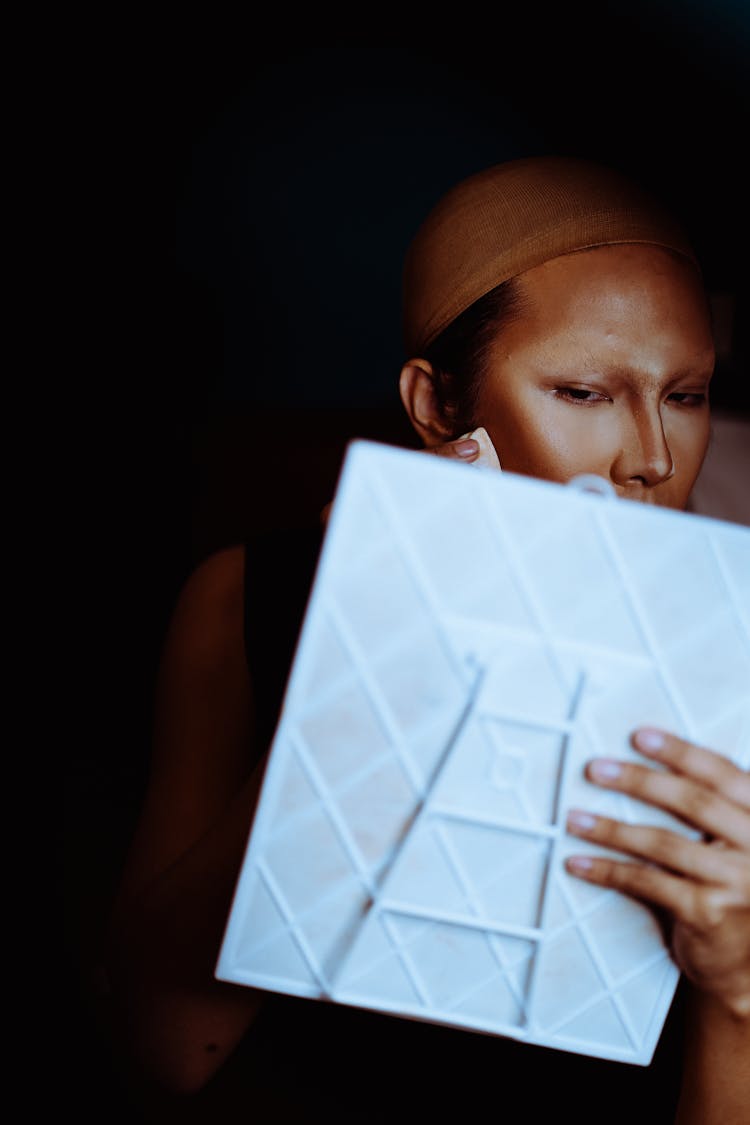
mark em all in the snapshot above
pixel 234 358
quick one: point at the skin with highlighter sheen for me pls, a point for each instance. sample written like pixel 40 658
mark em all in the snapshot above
pixel 602 366
pixel 605 370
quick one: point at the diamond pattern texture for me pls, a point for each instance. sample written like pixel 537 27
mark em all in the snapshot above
pixel 472 638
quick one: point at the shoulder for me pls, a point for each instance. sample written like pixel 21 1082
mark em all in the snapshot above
pixel 208 615
pixel 218 581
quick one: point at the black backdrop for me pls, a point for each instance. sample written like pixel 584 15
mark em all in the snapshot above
pixel 293 176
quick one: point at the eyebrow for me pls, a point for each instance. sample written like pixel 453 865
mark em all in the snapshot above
pixel 703 369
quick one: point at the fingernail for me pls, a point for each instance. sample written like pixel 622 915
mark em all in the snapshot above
pixel 581 821
pixel 467 449
pixel 605 770
pixel 578 863
pixel 649 739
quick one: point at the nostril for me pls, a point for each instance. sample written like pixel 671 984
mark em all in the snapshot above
pixel 645 459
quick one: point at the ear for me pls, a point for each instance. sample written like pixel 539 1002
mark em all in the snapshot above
pixel 417 387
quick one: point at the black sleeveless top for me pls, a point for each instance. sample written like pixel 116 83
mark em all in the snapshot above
pixel 312 1061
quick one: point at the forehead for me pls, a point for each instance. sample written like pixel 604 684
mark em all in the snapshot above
pixel 620 279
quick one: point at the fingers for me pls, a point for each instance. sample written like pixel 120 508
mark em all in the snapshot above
pixel 713 806
pixel 465 449
pixel 670 851
pixel 703 908
pixel 712 770
pixel 650 884
pixel 701 788
pixel 657 845
pixel 704 885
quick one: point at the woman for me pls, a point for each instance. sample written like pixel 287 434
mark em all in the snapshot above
pixel 550 303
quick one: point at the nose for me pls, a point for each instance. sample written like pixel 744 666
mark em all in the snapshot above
pixel 644 458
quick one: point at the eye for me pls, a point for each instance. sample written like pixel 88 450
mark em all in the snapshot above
pixel 688 398
pixel 582 395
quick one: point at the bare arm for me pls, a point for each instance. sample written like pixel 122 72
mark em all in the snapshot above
pixel 179 1022
pixel 704 884
pixel 716 1078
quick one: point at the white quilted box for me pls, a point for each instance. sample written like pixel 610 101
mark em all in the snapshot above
pixel 472 639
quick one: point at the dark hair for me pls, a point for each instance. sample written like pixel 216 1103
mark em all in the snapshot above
pixel 460 353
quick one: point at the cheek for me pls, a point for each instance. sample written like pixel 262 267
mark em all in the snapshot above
pixel 547 440
pixel 690 436
pixel 688 440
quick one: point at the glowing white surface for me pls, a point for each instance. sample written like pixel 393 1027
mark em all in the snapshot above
pixel 471 640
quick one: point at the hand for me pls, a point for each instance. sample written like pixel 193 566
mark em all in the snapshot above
pixel 703 884
pixel 475 447
pixel 462 449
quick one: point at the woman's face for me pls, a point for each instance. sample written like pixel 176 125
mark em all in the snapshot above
pixel 606 371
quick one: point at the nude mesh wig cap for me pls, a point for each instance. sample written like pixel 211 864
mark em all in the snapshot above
pixel 512 217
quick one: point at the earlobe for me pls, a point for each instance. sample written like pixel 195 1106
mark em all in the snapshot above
pixel 417 387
